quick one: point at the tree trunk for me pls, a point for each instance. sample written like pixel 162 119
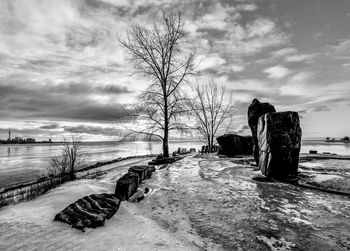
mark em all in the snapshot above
pixel 72 164
pixel 208 142
pixel 211 143
pixel 165 144
pixel 166 128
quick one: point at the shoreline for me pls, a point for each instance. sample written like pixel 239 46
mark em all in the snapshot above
pixel 200 202
pixel 302 157
pixel 89 167
pixel 31 190
pixel 34 188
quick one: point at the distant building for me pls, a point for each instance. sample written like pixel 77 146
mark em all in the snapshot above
pixel 17 140
pixel 30 140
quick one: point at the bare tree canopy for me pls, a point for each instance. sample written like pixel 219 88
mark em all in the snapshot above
pixel 158 54
pixel 212 113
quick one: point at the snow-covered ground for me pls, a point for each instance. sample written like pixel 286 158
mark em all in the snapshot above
pixel 197 203
pixel 331 174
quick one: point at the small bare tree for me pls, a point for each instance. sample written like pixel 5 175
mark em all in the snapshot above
pixel 157 55
pixel 72 158
pixel 210 110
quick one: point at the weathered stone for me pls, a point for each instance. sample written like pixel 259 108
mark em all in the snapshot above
pixel 148 170
pixel 232 145
pixel 137 196
pixel 140 171
pixel 127 186
pixel 279 138
pixel 90 211
pixel 255 110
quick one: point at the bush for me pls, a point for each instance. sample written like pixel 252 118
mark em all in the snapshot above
pixel 72 158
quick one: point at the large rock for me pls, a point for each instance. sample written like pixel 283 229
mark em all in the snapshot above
pixel 232 145
pixel 143 170
pixel 279 138
pixel 149 170
pixel 127 186
pixel 140 171
pixel 255 110
pixel 90 211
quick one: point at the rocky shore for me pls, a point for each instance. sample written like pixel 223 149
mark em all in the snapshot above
pixel 199 202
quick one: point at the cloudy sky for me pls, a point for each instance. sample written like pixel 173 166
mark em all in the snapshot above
pixel 61 67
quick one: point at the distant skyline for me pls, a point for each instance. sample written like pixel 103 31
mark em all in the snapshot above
pixel 62 68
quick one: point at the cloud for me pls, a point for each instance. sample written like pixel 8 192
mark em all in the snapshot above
pixel 22 99
pixel 60 60
pixel 94 130
pixel 320 108
pixel 218 17
pixel 50 126
pixel 299 57
pixel 260 27
pixel 298 84
pixel 247 7
pixel 342 47
pixel 237 68
pixel 210 61
pixel 277 72
pixel 255 37
pixel 289 55
pixel 283 52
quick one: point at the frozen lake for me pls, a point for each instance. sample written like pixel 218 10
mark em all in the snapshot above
pixel 23 162
pixel 20 163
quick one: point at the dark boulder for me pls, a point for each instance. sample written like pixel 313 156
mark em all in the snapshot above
pixel 147 169
pixel 232 145
pixel 127 186
pixel 255 110
pixel 90 211
pixel 205 149
pixel 140 171
pixel 279 138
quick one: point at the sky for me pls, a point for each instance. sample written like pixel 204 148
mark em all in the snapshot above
pixel 62 67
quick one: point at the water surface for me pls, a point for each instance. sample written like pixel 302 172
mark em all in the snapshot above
pixel 19 163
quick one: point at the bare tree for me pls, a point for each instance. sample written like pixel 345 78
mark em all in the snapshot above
pixel 72 158
pixel 210 110
pixel 157 55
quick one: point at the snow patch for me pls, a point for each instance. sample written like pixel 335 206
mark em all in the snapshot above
pixel 311 164
pixel 324 177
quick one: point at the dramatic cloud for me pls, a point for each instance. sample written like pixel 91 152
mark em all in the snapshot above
pixel 61 65
pixel 72 101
